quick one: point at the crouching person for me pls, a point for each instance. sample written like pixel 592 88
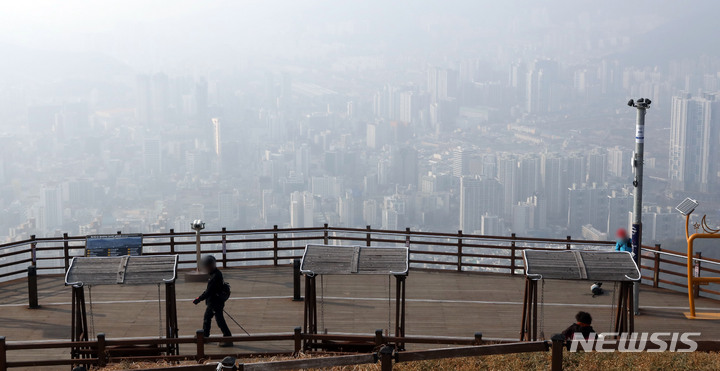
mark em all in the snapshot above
pixel 214 296
pixel 581 327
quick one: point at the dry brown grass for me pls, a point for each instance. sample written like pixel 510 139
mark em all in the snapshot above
pixel 576 361
pixel 532 361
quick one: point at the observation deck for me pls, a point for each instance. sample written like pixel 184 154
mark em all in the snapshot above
pixel 457 285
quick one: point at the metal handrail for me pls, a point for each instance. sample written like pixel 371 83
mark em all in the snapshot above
pixel 674 254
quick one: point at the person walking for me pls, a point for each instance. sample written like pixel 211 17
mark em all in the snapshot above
pixel 215 295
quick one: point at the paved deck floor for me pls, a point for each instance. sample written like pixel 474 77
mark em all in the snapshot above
pixel 438 303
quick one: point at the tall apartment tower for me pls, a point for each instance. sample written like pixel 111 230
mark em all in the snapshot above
pixel 597 167
pixel 217 144
pixel 540 87
pixel 302 209
pixel 508 174
pixel 441 84
pixel 404 166
pixel 694 142
pixel 618 161
pixel 478 196
pixel 297 210
pixel 51 216
pixel 460 162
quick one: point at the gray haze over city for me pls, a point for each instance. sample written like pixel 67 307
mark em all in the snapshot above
pixel 490 117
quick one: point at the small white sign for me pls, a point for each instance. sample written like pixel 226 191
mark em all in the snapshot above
pixel 640 134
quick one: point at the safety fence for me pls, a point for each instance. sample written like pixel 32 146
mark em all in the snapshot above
pixel 101 352
pixel 428 250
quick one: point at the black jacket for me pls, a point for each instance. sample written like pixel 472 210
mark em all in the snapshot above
pixel 585 330
pixel 212 294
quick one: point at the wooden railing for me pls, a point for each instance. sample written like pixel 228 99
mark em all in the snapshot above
pixel 97 352
pixel 279 246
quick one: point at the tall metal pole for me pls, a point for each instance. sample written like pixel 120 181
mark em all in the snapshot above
pixel 197 248
pixel 642 105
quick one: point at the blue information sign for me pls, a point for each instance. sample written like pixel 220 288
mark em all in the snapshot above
pixel 113 245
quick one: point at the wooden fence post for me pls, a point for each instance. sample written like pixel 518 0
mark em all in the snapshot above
pixel 296 280
pixel 325 234
pixel 656 267
pixel 567 245
pixel 101 359
pixel 558 341
pixel 386 358
pixel 3 354
pixel 459 251
pixel 275 245
pixel 200 342
pixel 32 287
pixel 33 250
pixel 172 241
pixel 297 336
pixel 512 255
pixel 367 236
pixel 66 251
pixel 224 247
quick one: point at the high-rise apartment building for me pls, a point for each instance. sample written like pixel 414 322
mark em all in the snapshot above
pixel 441 84
pixel 540 88
pixel 587 204
pixel 51 202
pixel 478 196
pixel 508 175
pixel 529 176
pixel 694 142
pixel 491 225
pixel 302 160
pixel 370 212
pixel 302 209
pixel 404 165
pixel 620 205
pixel 217 139
pixel 460 162
pixel 618 161
pixel 597 167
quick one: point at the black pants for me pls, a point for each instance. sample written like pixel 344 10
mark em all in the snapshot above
pixel 215 310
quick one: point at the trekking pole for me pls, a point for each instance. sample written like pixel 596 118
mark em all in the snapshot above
pixel 236 322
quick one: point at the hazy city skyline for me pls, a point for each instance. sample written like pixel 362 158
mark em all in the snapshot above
pixel 476 116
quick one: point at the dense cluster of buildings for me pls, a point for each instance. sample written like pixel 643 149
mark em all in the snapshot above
pixel 525 145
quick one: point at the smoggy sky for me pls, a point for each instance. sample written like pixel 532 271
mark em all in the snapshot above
pixel 157 34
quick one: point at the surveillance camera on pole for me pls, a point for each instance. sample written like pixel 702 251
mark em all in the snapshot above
pixel 642 105
pixel 197 225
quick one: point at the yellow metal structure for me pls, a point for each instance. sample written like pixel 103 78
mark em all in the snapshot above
pixel 693 281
